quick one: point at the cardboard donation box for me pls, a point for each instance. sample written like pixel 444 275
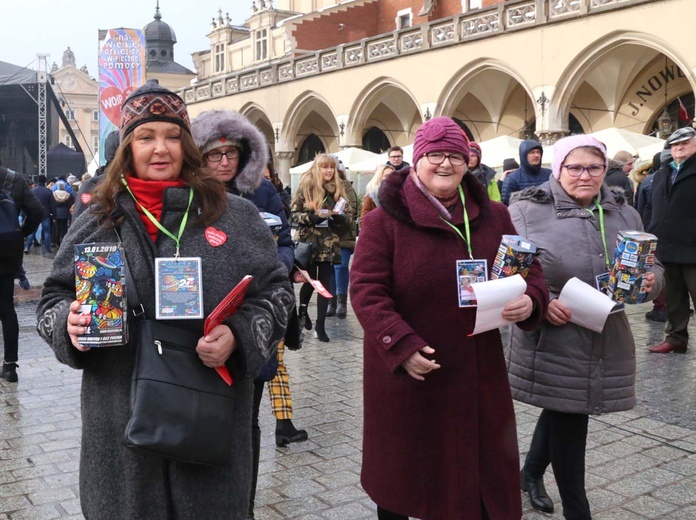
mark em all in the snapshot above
pixel 515 256
pixel 634 256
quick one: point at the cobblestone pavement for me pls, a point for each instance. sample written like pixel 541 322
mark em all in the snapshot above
pixel 640 464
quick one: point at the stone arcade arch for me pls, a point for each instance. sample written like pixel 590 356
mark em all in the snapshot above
pixel 624 80
pixel 387 105
pixel 257 115
pixel 309 114
pixel 490 98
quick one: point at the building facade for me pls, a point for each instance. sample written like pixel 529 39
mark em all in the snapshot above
pixel 367 73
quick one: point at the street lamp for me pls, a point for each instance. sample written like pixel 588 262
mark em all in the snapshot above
pixel 665 124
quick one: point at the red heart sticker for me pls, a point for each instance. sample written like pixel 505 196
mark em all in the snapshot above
pixel 110 101
pixel 85 198
pixel 215 237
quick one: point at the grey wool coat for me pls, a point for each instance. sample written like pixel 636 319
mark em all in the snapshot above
pixel 570 368
pixel 116 483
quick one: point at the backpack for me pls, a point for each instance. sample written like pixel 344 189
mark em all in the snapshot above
pixel 11 238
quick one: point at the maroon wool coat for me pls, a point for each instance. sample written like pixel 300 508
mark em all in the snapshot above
pixel 434 449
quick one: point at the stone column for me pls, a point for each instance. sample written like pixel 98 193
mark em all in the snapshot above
pixel 283 164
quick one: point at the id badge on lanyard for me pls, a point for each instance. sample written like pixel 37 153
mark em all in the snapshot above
pixel 470 272
pixel 178 288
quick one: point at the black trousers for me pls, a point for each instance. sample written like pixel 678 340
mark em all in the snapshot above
pixel 8 317
pixel 560 439
pixel 680 286
pixel 322 271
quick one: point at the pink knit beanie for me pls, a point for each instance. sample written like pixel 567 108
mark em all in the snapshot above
pixel 475 148
pixel 563 147
pixel 440 134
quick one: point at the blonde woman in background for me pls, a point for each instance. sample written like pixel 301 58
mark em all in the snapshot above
pixel 320 226
pixel 371 200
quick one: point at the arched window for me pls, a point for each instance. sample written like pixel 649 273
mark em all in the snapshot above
pixel 374 140
pixel 311 147
pixel 574 125
pixel 463 126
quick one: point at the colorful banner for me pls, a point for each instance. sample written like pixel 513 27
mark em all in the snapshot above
pixel 122 62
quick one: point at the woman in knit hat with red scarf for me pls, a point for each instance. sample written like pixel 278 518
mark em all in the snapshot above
pixel 159 204
pixel 440 440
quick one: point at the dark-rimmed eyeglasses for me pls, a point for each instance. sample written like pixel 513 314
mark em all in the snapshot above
pixel 217 156
pixel 576 170
pixel 437 158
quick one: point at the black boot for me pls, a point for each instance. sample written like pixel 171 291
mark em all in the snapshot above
pixel 538 496
pixel 9 371
pixel 255 455
pixel 342 307
pixel 331 309
pixel 286 433
pixel 305 322
pixel 319 331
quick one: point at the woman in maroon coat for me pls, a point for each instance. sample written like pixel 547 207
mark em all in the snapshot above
pixel 440 438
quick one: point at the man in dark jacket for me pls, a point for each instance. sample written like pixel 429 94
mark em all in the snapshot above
pixel 396 158
pixel 14 185
pixel 617 173
pixel 529 174
pixel 45 197
pixel 673 221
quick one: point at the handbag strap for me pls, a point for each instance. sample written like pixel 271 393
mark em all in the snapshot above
pixel 134 303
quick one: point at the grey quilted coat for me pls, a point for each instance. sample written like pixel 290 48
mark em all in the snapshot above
pixel 570 368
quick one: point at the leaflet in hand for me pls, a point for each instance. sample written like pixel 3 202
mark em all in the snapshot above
pixel 100 285
pixel 226 308
pixel 318 286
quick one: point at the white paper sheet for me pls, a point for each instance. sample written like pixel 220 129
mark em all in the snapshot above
pixel 492 297
pixel 588 306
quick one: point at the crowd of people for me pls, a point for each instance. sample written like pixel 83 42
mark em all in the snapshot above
pixel 207 190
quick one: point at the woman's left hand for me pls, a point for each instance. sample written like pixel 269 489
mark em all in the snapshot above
pixel 518 309
pixel 216 347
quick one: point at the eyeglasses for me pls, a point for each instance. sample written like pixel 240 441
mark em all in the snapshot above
pixel 395 156
pixel 217 156
pixel 437 158
pixel 576 170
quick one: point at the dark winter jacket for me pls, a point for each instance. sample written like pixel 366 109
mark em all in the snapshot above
pixel 46 199
pixel 266 198
pixel 434 449
pixel 403 165
pixel 644 200
pixel 674 213
pixel 348 235
pixel 11 251
pixel 526 175
pixel 117 483
pixel 569 368
pixel 486 176
pixel 617 177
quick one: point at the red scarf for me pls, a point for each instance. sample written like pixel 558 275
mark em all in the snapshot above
pixel 150 195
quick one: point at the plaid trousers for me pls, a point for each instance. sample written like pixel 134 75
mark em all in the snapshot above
pixel 279 389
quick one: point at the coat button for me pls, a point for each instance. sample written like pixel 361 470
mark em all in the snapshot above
pixel 386 340
pixel 601 255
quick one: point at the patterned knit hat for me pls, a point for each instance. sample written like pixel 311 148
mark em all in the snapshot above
pixel 439 134
pixel 152 103
pixel 475 148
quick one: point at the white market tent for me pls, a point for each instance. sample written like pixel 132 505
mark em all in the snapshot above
pixel 370 165
pixel 496 150
pixel 348 156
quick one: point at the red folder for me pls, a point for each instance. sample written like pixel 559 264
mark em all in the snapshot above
pixel 226 308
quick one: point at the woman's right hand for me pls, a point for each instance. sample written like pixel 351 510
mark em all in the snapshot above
pixel 77 325
pixel 558 314
pixel 417 366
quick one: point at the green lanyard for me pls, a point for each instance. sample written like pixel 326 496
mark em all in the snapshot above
pixel 466 225
pixel 600 210
pixel 159 226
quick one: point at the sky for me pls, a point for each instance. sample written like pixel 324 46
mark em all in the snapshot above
pixel 29 27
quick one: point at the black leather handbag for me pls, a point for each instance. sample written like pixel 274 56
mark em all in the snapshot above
pixel 180 408
pixel 303 255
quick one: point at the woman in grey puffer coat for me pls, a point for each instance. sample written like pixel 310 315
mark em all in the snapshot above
pixel 568 370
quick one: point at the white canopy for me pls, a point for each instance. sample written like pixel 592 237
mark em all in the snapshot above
pixel 348 156
pixel 93 165
pixel 617 139
pixel 496 150
pixel 370 165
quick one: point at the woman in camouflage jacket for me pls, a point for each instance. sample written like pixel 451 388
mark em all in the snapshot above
pixel 319 226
